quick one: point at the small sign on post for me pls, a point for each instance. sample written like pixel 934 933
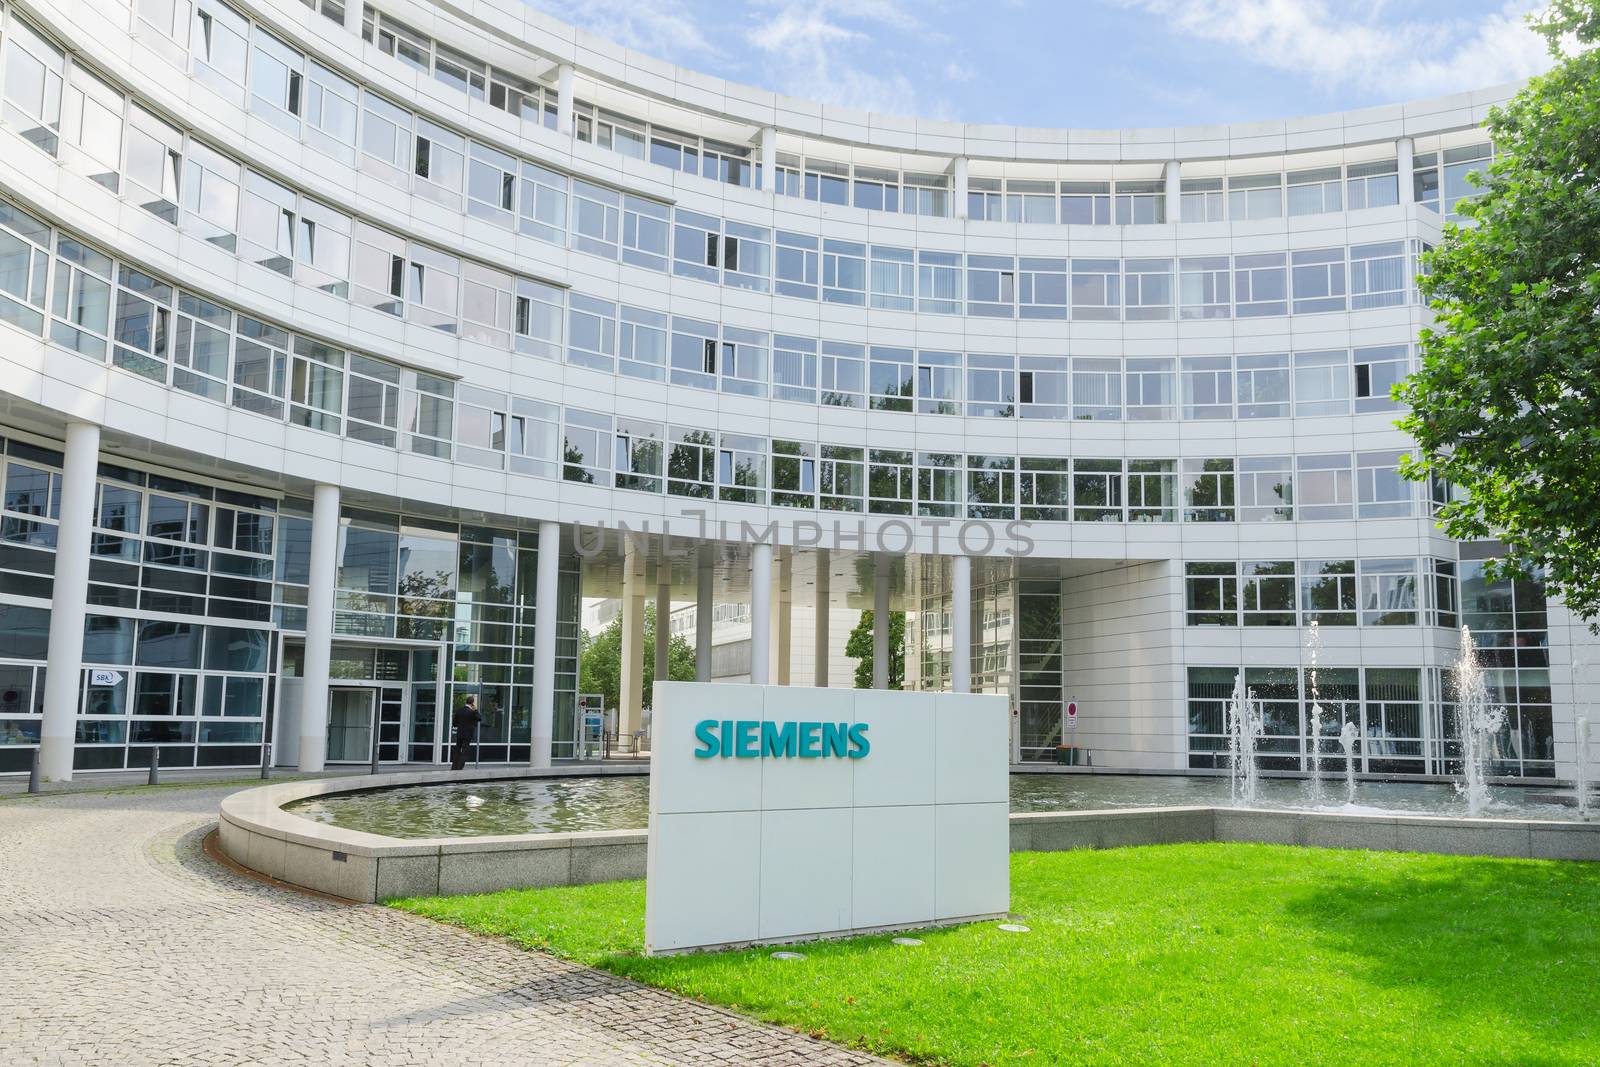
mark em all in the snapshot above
pixel 1072 714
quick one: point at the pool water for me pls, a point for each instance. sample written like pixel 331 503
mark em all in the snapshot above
pixel 557 805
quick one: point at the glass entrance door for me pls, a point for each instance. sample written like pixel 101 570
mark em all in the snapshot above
pixel 350 724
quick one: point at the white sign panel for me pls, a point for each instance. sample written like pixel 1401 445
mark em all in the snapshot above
pixel 105 677
pixel 780 812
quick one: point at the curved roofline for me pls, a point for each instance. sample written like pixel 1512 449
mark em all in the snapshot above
pixel 603 62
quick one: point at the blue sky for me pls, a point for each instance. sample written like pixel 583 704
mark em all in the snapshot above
pixel 1107 63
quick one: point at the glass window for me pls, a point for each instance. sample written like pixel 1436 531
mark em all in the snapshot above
pixel 939 282
pixel 1377 275
pixel 1097 490
pixel 842 374
pixel 35 76
pixel 1086 203
pixel 330 113
pixel 1372 184
pixel 643 349
pixel 827 182
pixel 876 190
pixel 378 269
pixel 1147 284
pixel 1383 493
pixel 794 369
pixel 372 405
pixel 891 482
pixel 984 202
pixel 1263 385
pixel 794 474
pixel 1315 192
pixel 991 487
pixel 1328 592
pixel 586 449
pixel 1266 489
pixel 1256 196
pixel 894 278
pixel 1096 289
pixel 1141 203
pixel 596 219
pixel 92 126
pixel 1208 490
pixel 542 205
pixel 1045 489
pixel 492 186
pixel 891 378
pixel 1207 387
pixel 260 367
pixel 939 383
pixel 694 353
pixel 591 332
pixel 322 248
pixel 439 164
pixel 1267 593
pixel 218 41
pixel 1030 201
pixel 1211 594
pixel 991 286
pixel 746 256
pixel 1152 490
pixel 696 245
pixel 1260 285
pixel 277 82
pixel 644 233
pixel 844 272
pixel 939 483
pixel 1322 383
pixel 691 463
pixel 843 478
pixel 1378 371
pixel 268 224
pixel 1319 276
pixel 1202 199
pixel 316 386
pixel 1325 489
pixel 797 266
pixel 1151 388
pixel 142 328
pixel 1204 288
pixel 640 456
pixel 81 300
pixel 1096 388
pixel 991 386
pixel 742 469
pixel 202 348
pixel 1389 592
pixel 153 162
pixel 211 195
pixel 743 363
pixel 1042 288
pixel 1042 387
pixel 926 194
pixel 536 319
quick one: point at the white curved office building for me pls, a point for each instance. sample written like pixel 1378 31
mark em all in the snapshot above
pixel 337 343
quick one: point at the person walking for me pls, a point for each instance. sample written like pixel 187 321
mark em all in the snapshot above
pixel 466 722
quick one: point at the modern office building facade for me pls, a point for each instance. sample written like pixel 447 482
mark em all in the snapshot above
pixel 340 341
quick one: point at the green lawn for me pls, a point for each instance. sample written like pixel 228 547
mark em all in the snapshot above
pixel 1212 953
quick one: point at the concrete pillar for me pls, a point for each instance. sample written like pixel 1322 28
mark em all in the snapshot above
pixel 564 99
pixel 783 626
pixel 546 594
pixel 663 618
pixel 961 624
pixel 703 608
pixel 631 681
pixel 64 660
pixel 1404 152
pixel 824 581
pixel 769 159
pixel 960 192
pixel 352 16
pixel 1174 191
pixel 319 628
pixel 760 613
pixel 880 622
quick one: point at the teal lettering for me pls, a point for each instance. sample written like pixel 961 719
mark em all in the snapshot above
pixel 858 737
pixel 747 746
pixel 834 735
pixel 705 732
pixel 810 734
pixel 727 738
pixel 779 739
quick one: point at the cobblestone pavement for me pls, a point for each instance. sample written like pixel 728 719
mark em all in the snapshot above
pixel 122 944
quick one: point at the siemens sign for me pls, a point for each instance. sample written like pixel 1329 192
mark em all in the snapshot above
pixel 749 739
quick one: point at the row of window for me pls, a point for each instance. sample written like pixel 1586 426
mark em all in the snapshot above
pixel 1371 592
pixel 930 192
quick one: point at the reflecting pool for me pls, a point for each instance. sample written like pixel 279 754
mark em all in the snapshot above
pixel 556 805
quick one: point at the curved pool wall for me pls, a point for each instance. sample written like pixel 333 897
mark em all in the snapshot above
pixel 257 833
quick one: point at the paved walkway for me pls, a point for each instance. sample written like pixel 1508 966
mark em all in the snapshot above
pixel 122 944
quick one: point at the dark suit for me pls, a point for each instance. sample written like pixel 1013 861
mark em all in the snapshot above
pixel 466 722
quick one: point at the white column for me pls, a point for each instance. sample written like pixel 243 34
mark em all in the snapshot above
pixel 564 99
pixel 769 159
pixel 1404 151
pixel 319 627
pixel 546 594
pixel 960 187
pixel 760 613
pixel 961 624
pixel 783 627
pixel 352 16
pixel 880 623
pixel 824 580
pixel 663 618
pixel 703 607
pixel 64 662
pixel 1174 191
pixel 631 680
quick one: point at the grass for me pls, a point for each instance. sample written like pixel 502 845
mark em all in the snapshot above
pixel 1212 953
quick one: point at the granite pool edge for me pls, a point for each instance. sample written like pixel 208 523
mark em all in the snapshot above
pixel 257 833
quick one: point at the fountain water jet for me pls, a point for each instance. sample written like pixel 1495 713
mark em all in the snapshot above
pixel 1582 776
pixel 1313 653
pixel 1347 740
pixel 1477 721
pixel 1245 724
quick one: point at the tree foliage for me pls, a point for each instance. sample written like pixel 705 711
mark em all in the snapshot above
pixel 859 648
pixel 1506 403
pixel 600 660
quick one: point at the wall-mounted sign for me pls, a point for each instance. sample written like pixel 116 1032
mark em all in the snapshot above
pixel 1072 714
pixel 781 812
pixel 105 677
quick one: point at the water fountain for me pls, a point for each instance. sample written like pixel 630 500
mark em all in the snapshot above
pixel 1313 653
pixel 1347 740
pixel 1245 724
pixel 1582 776
pixel 1477 721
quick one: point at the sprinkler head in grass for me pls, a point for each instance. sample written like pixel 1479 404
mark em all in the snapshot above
pixel 788 955
pixel 1014 928
pixel 906 941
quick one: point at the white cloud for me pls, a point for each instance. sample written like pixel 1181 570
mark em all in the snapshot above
pixel 1372 45
pixel 831 50
pixel 658 27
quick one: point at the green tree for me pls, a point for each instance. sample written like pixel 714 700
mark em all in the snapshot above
pixel 1506 403
pixel 600 660
pixel 859 647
